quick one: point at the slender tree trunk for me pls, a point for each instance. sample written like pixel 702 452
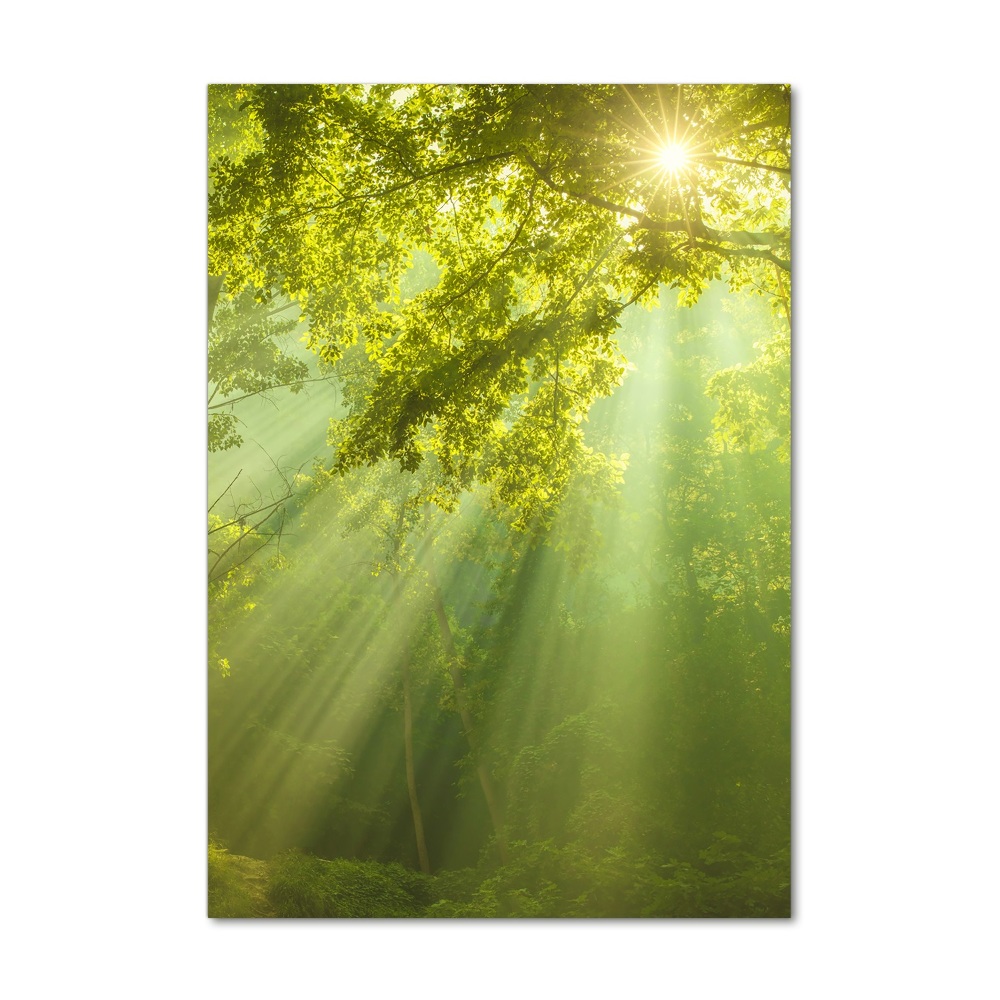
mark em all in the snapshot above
pixel 485 780
pixel 214 287
pixel 411 775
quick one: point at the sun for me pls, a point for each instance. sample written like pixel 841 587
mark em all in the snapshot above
pixel 674 157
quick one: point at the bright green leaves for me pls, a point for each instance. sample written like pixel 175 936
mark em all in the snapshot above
pixel 232 132
pixel 380 328
pixel 755 401
pixel 538 213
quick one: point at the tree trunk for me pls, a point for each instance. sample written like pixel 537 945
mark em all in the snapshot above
pixel 485 780
pixel 411 775
pixel 214 287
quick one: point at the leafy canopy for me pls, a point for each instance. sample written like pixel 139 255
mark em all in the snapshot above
pixel 532 217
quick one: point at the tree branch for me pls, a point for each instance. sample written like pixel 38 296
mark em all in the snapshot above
pixel 590 199
pixel 268 388
pixel 212 576
pixel 745 252
pixel 693 228
pixel 257 510
pixel 496 260
pixel 369 195
pixel 742 163
pixel 226 490
pixel 699 229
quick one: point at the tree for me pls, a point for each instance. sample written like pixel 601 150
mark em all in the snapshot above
pixel 247 344
pixel 547 211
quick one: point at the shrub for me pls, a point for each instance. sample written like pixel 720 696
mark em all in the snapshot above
pixel 306 886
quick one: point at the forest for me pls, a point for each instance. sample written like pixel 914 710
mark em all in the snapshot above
pixel 499 501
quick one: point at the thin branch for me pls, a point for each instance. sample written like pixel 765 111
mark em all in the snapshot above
pixel 590 273
pixel 458 232
pixel 281 528
pixel 258 392
pixel 655 280
pixel 504 253
pixel 242 519
pixel 211 573
pixel 382 144
pixel 784 299
pixel 316 170
pixel 780 122
pixel 392 188
pixel 743 163
pixel 279 309
pixel 590 199
pixel 219 556
pixel 226 490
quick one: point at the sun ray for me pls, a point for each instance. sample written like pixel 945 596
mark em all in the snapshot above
pixel 642 114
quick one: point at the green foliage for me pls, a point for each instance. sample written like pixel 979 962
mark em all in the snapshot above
pixel 565 785
pixel 222 432
pixel 306 886
pixel 231 132
pixel 237 568
pixel 541 880
pixel 522 888
pixel 326 757
pixel 729 883
pixel 245 358
pixel 755 401
pixel 236 885
pixel 540 229
pixel 544 880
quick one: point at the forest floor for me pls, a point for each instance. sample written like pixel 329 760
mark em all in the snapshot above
pixel 238 886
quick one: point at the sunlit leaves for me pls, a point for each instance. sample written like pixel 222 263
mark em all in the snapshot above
pixel 233 132
pixel 754 401
pixel 222 432
pixel 545 212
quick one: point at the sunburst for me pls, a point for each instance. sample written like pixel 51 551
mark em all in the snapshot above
pixel 674 157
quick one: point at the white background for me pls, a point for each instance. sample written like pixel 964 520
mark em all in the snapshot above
pixel 895 216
